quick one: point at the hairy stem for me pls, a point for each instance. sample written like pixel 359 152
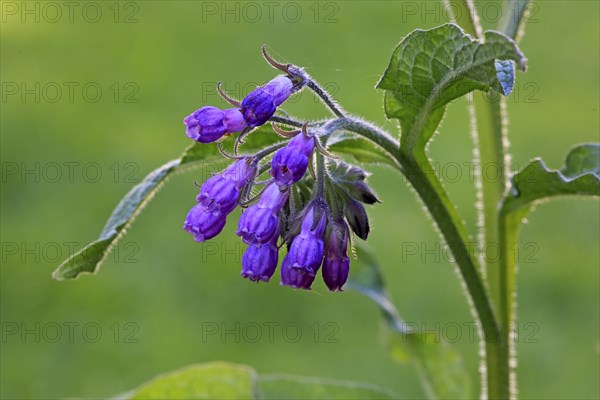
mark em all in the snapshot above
pixel 320 178
pixel 507 224
pixel 286 121
pixel 369 131
pixel 513 18
pixel 326 97
pixel 421 175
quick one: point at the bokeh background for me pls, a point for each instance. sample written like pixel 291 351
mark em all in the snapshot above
pixel 68 157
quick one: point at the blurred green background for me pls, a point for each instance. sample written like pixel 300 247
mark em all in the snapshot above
pixel 67 158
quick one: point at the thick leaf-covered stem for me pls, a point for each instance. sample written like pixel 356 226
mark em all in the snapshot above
pixel 488 121
pixel 421 175
pixel 423 178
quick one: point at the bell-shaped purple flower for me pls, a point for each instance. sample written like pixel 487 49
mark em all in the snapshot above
pixel 260 104
pixel 259 262
pixel 218 194
pixel 300 265
pixel 209 124
pixel 222 191
pixel 204 224
pixel 259 224
pixel 336 264
pixel 240 172
pixel 280 88
pixel 289 164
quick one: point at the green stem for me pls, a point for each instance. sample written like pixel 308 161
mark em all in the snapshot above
pixel 421 175
pixel 487 127
pixel 489 133
pixel 465 15
pixel 419 172
pixel 326 97
pixel 320 178
pixel 507 224
pixel 369 131
pixel 513 18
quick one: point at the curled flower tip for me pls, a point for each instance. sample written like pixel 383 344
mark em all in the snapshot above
pixel 227 155
pixel 259 262
pixel 208 124
pixel 336 264
pixel 204 224
pixel 321 149
pixel 272 62
pixel 283 132
pixel 240 140
pixel 225 97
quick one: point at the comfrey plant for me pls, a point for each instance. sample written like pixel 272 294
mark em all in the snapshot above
pixel 302 186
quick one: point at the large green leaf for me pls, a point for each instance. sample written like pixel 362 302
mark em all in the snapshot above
pixel 93 254
pixel 205 381
pixel 430 68
pixel 289 387
pixel 440 366
pixel 535 182
pixel 220 380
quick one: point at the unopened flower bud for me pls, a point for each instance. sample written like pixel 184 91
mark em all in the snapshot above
pixel 260 105
pixel 204 224
pixel 259 224
pixel 300 265
pixel 336 263
pixel 259 262
pixel 209 124
pixel 357 218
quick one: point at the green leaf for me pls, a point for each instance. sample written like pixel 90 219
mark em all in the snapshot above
pixel 536 182
pixel 220 380
pixel 440 367
pixel 93 254
pixel 430 68
pixel 289 387
pixel 205 381
pixel 360 149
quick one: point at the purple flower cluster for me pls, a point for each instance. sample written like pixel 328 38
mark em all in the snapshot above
pixel 285 212
pixel 259 228
pixel 209 124
pixel 261 224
